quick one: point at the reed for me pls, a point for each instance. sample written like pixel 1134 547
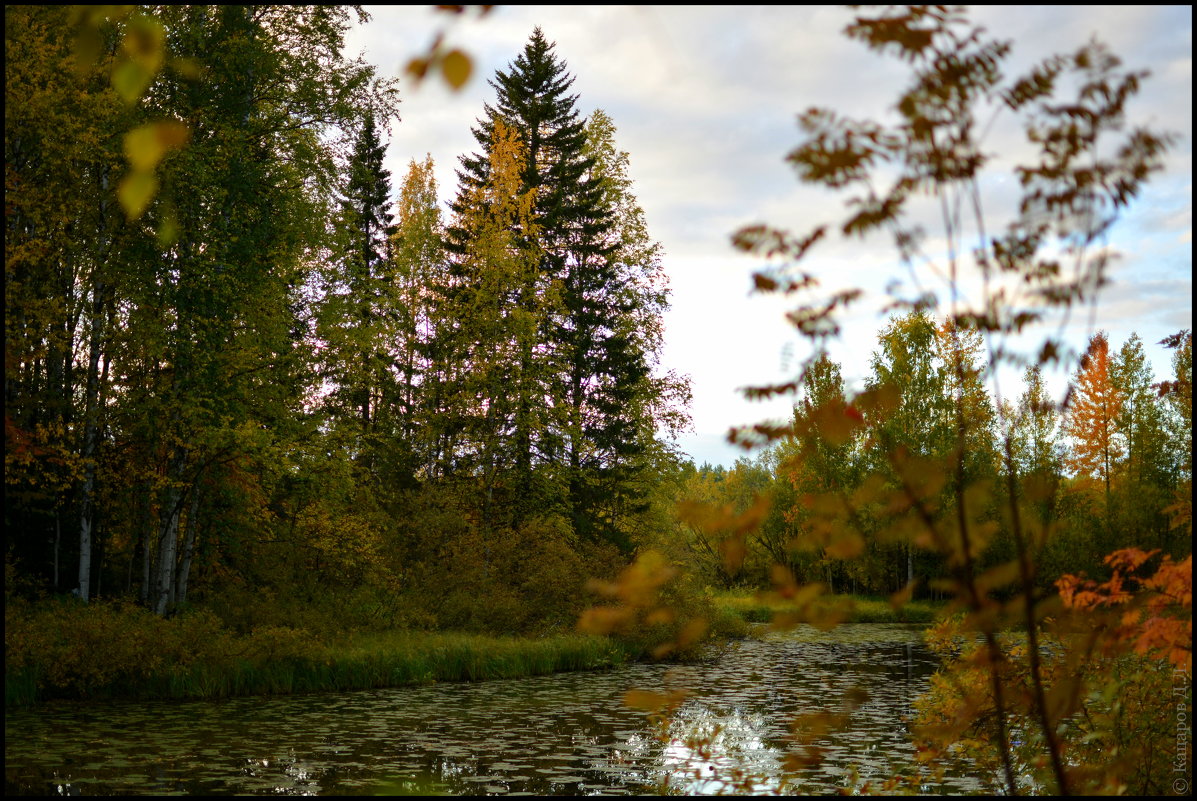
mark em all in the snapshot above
pixel 863 609
pixel 397 659
pixel 131 654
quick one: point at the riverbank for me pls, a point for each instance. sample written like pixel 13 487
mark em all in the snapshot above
pixel 104 651
pixel 109 650
pixel 567 735
pixel 752 608
pixel 65 649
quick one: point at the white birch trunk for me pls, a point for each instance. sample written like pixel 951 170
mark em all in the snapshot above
pixel 189 545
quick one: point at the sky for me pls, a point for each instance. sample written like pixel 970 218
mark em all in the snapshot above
pixel 705 101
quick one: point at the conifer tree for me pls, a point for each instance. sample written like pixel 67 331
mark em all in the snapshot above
pixel 614 335
pixel 1034 429
pixel 533 102
pixel 1179 395
pixel 357 316
pixel 367 201
pixel 493 369
pixel 961 351
pixel 585 406
pixel 1092 421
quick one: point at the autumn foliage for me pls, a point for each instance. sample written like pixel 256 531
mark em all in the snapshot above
pixel 1154 612
pixel 1092 414
pixel 1051 682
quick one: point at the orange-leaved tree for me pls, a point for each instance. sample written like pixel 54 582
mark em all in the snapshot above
pixel 1093 409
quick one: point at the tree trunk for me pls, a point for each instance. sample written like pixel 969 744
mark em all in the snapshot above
pixel 169 532
pixel 91 431
pixel 57 542
pixel 189 545
pixel 146 546
pixel 164 582
pixel 909 564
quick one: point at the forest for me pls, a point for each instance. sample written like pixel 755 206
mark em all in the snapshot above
pixel 265 400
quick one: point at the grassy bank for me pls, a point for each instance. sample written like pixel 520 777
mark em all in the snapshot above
pixel 860 609
pixel 106 651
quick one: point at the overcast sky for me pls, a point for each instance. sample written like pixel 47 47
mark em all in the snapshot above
pixel 705 101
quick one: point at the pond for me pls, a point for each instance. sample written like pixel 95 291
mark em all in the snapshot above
pixel 569 734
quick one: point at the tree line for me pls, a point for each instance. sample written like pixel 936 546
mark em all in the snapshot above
pixel 1109 467
pixel 237 369
pixel 268 367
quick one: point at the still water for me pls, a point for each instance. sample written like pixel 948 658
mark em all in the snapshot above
pixel 566 734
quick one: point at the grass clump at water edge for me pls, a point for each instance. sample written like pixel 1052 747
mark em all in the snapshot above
pixel 754 608
pixel 98 650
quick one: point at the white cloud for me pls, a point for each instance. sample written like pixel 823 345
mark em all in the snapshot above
pixel 706 99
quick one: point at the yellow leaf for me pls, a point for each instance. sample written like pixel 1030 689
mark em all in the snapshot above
pixel 837 423
pixel 168 231
pixel 826 616
pixel 998 576
pixel 144 48
pixel 807 593
pixel 643 699
pixel 146 145
pixel 692 632
pixel 135 192
pixel 602 620
pixel 456 67
pixel 187 67
pixel 88 46
pixel 145 42
pixel 660 615
pixel 733 549
pixel 663 650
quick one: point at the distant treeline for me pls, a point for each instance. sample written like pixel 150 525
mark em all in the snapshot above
pixel 1109 468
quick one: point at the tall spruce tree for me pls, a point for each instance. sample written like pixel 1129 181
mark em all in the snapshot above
pixel 367 201
pixel 575 435
pixel 357 315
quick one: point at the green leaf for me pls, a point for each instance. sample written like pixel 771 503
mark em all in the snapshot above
pixel 168 230
pixel 130 79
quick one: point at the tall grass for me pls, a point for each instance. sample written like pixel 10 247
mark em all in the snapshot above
pixel 98 652
pixel 393 659
pixel 863 609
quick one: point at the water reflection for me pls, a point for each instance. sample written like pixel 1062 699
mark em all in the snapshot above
pixel 718 754
pixel 564 734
